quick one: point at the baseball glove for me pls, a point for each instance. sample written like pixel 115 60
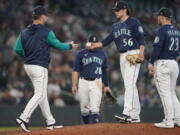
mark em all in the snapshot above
pixel 134 59
pixel 110 97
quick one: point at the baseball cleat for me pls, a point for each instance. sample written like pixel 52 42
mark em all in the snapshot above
pixel 135 121
pixel 177 124
pixel 54 126
pixel 123 118
pixel 23 124
pixel 164 124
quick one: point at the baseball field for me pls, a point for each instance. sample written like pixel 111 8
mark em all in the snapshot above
pixel 96 129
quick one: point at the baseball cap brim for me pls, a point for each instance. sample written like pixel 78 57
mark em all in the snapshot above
pixel 117 9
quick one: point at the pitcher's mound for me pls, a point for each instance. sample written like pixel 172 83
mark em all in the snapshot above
pixel 108 129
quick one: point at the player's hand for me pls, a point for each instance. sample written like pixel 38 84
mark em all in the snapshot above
pixel 107 89
pixel 74 45
pixel 109 96
pixel 74 90
pixel 178 59
pixel 140 58
pixel 141 53
pixel 93 46
pixel 151 69
pixel 88 45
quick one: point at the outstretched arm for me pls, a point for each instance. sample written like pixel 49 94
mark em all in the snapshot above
pixel 109 38
pixel 54 42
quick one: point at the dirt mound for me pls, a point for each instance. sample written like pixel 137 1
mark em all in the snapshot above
pixel 107 129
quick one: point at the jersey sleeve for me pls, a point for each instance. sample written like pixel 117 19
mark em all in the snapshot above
pixel 139 33
pixel 109 38
pixel 105 78
pixel 158 43
pixel 77 63
pixel 55 43
pixel 18 47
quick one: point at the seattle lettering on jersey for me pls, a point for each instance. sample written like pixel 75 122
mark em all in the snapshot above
pixel 92 59
pixel 122 32
pixel 173 33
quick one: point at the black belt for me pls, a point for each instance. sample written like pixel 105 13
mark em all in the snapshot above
pixel 123 51
pixel 88 78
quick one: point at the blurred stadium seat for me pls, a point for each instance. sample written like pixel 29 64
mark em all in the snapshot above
pixel 72 20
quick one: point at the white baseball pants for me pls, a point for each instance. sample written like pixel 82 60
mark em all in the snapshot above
pixel 89 94
pixel 39 78
pixel 166 74
pixel 130 74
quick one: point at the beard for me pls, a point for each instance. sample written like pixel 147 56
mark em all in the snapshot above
pixel 118 16
pixel 159 23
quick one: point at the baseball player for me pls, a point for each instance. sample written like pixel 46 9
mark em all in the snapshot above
pixel 164 67
pixel 33 45
pixel 128 36
pixel 90 69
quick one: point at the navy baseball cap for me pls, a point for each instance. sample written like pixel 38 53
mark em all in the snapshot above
pixel 166 12
pixel 39 10
pixel 120 5
pixel 93 38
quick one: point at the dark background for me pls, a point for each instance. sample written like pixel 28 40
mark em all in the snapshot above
pixel 73 20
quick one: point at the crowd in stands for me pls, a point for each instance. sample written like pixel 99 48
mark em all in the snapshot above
pixel 73 20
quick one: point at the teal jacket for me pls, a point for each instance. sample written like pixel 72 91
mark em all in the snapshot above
pixel 34 42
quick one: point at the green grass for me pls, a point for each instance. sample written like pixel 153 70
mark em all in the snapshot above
pixel 8 128
pixel 5 128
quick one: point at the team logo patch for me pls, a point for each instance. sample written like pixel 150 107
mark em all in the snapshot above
pixel 156 40
pixel 140 29
pixel 94 39
pixel 116 4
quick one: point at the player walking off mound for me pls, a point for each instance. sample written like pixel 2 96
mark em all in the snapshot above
pixel 33 44
pixel 164 67
pixel 90 69
pixel 128 36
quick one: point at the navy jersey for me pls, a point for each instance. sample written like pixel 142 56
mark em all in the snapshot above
pixel 166 43
pixel 127 35
pixel 92 64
